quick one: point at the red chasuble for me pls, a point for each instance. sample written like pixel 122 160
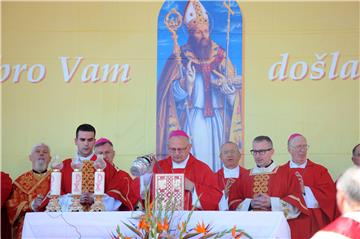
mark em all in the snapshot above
pixel 323 187
pixel 25 189
pixel 201 175
pixel 113 189
pixel 280 182
pixel 222 181
pixel 6 186
pixel 120 188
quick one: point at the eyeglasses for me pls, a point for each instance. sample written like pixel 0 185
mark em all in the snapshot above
pixel 298 147
pixel 260 151
pixel 180 150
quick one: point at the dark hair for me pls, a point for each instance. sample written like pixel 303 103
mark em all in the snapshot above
pixel 85 127
pixel 263 138
pixel 353 151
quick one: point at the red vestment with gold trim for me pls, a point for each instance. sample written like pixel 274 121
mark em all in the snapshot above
pixel 25 189
pixel 280 183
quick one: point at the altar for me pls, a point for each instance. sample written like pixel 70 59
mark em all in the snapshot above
pixel 103 224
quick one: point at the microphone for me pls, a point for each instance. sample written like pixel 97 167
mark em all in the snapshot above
pixel 142 165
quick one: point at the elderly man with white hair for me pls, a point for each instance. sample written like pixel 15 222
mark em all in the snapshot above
pixel 30 189
pixel 317 186
pixel 348 201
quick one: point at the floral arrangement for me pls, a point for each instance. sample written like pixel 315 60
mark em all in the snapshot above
pixel 161 224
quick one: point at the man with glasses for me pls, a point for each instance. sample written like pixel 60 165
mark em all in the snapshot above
pixel 201 187
pixel 317 187
pixel 356 155
pixel 105 147
pixel 268 187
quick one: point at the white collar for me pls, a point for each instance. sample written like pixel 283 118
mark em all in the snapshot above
pixel 182 164
pixel 268 169
pixel 81 158
pixel 294 165
pixel 231 172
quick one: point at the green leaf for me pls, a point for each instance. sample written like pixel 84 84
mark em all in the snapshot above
pixel 133 229
pixel 190 235
pixel 208 235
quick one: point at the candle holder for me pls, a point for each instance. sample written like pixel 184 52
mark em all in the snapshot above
pixel 53 205
pixel 76 185
pixel 99 184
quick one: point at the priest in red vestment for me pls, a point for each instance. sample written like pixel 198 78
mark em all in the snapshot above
pixel 6 186
pixel 317 187
pixel 116 193
pixel 348 202
pixel 201 186
pixel 230 156
pixel 30 189
pixel 121 183
pixel 268 187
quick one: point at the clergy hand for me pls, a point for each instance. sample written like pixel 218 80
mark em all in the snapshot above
pixel 227 88
pixel 37 202
pixel 189 186
pixel 301 181
pixel 87 198
pixel 229 182
pixel 261 202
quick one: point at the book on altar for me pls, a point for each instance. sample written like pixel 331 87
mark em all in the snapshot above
pixel 169 191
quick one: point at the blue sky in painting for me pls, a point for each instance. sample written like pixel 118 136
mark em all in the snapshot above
pixel 218 25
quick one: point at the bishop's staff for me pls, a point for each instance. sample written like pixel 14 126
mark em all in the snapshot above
pixel 173 21
pixel 230 12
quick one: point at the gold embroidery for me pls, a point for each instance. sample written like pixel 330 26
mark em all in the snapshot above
pixel 299 201
pixel 285 208
pixel 260 184
pixel 88 176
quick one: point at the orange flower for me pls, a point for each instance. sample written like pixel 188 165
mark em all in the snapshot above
pixel 200 228
pixel 163 227
pixel 233 233
pixel 143 224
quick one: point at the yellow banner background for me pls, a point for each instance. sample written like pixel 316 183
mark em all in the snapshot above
pixel 325 111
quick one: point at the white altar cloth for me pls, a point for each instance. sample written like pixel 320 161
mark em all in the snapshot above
pixel 102 224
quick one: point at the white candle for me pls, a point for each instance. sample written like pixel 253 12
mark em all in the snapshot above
pixel 76 182
pixel 55 183
pixel 99 183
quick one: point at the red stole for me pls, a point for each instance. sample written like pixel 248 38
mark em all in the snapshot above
pixel 205 69
pixel 345 226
